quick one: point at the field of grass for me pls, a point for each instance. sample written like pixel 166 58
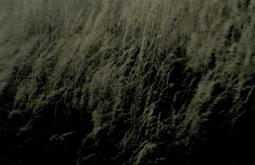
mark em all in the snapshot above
pixel 127 82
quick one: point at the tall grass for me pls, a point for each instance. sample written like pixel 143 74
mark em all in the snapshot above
pixel 158 68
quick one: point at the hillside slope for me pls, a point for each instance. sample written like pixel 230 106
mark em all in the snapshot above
pixel 127 82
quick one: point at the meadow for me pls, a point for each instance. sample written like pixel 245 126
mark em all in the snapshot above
pixel 127 82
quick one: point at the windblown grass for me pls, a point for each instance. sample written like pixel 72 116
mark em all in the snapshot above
pixel 153 81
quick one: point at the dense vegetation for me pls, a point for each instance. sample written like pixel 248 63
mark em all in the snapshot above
pixel 127 82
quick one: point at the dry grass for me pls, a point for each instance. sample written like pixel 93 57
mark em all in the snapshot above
pixel 166 67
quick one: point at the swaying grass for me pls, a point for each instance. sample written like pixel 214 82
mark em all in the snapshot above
pixel 128 81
